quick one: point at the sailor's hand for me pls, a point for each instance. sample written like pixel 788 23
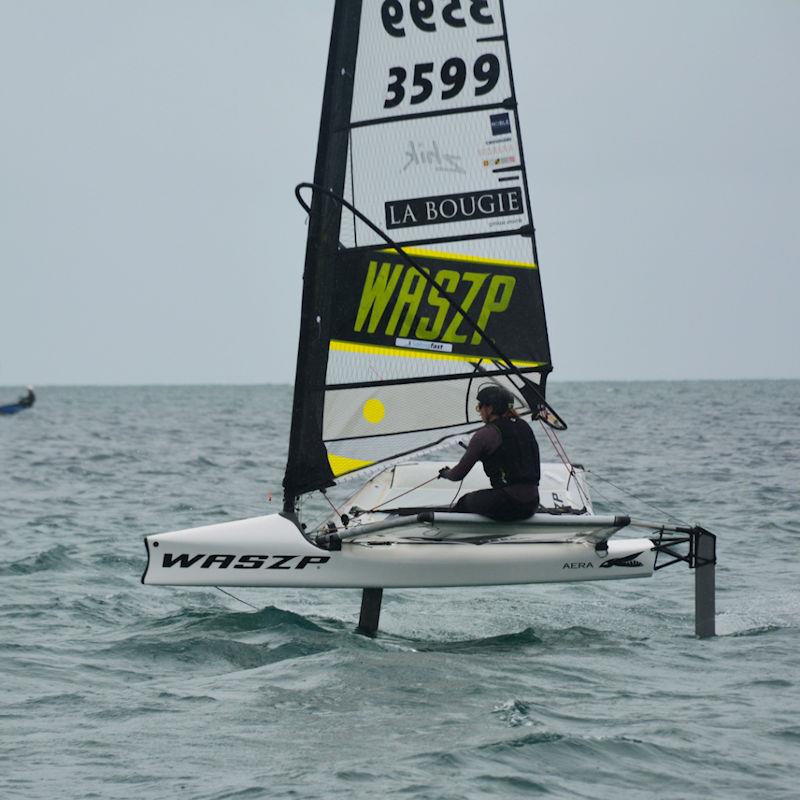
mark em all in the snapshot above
pixel 444 472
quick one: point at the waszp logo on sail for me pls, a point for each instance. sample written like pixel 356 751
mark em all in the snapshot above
pixel 399 301
pixel 453 207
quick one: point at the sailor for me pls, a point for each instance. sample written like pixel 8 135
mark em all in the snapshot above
pixel 27 400
pixel 508 451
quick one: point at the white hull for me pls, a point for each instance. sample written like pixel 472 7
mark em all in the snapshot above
pixel 272 551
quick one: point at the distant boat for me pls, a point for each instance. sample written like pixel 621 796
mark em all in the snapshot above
pixel 26 401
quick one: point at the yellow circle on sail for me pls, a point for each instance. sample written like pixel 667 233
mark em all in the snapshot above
pixel 373 411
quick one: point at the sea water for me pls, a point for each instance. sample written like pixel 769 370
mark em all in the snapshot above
pixel 111 689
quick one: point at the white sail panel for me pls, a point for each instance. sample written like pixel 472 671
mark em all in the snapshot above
pixel 365 425
pixel 438 177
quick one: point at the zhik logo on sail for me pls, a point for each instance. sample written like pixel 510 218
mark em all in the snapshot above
pixel 419 155
pixel 445 208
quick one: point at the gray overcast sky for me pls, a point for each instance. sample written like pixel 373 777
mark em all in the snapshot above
pixel 149 150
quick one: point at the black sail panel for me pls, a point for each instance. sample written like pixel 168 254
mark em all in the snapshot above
pixel 308 467
pixel 382 301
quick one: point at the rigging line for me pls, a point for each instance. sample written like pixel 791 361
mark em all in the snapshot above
pixel 558 447
pixel 638 499
pixel 458 490
pixel 352 186
pixel 562 454
pixel 398 496
pixel 237 598
pixel 524 230
pixel 604 496
pixel 335 510
pixel 448 295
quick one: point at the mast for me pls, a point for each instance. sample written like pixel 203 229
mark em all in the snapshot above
pixel 323 232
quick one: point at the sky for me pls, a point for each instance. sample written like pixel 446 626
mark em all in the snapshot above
pixel 149 151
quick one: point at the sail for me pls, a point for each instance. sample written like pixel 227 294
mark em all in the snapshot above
pixel 421 279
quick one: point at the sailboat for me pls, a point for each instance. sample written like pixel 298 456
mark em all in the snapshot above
pixel 421 283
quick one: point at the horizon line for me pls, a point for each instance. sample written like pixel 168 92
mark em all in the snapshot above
pixel 187 384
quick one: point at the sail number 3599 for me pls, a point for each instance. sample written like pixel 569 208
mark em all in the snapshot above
pixel 453 72
pixel 453 76
pixel 422 12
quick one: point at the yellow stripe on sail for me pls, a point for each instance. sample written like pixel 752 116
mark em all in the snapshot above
pixel 421 251
pixel 341 464
pixel 405 352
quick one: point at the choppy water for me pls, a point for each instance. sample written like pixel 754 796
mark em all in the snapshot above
pixel 111 689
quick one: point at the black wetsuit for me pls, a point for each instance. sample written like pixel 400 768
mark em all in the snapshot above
pixel 510 456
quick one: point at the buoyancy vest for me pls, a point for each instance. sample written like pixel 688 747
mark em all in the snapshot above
pixel 517 458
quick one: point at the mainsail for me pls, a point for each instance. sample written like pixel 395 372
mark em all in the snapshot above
pixel 419 140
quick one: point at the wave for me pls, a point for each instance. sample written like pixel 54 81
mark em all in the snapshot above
pixel 758 630
pixel 117 456
pixel 203 461
pixel 44 702
pixel 248 793
pixel 270 619
pixel 208 651
pixel 54 558
pixel 789 734
pixel 526 638
pixel 557 753
pixel 488 644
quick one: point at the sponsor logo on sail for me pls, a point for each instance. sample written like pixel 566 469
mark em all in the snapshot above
pixel 416 344
pixel 445 208
pixel 503 161
pixel 502 148
pixel 419 154
pixel 501 124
